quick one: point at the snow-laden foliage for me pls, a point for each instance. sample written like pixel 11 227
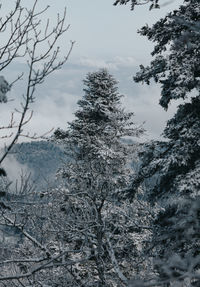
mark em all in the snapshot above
pixel 99 169
pixel 169 170
pixel 54 235
pixel 174 163
pixel 94 139
pixel 105 244
pixel 177 60
pixel 178 230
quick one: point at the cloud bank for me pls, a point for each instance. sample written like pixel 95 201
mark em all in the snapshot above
pixel 56 99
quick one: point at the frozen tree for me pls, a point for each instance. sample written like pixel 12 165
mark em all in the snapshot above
pixel 96 174
pixel 170 171
pixel 176 68
pixel 170 168
pixel 95 137
pixel 74 229
pixel 175 162
pixel 176 63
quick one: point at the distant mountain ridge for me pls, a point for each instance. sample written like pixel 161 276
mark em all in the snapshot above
pixel 42 158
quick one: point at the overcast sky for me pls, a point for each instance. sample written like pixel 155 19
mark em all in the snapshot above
pixel 106 36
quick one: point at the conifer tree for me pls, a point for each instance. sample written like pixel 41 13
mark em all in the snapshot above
pixel 98 170
pixel 176 63
pixel 173 165
pixel 176 68
pixel 94 138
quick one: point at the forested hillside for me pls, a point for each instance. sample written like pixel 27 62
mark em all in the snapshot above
pixel 42 158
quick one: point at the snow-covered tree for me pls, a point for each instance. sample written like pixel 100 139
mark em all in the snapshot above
pixel 176 67
pixel 108 251
pixel 97 173
pixel 176 64
pixel 95 139
pixel 170 171
pixel 174 164
pixel 170 168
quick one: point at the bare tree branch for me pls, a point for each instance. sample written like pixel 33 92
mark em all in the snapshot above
pixel 27 39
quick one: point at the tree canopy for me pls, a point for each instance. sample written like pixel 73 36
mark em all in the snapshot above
pixel 176 51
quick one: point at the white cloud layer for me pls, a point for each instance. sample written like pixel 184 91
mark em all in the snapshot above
pixel 56 99
pixel 115 64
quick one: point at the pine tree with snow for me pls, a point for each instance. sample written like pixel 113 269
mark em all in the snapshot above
pixel 99 169
pixel 172 166
pixel 95 138
pixel 177 58
pixel 176 68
